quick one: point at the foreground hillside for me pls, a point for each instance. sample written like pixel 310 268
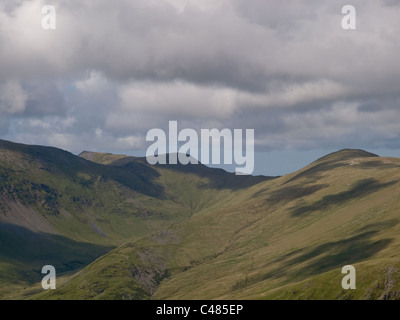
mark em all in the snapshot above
pixel 60 209
pixel 284 238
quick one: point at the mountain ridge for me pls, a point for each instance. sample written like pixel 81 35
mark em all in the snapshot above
pixel 48 191
pixel 209 236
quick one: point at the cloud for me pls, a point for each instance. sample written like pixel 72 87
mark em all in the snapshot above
pixel 181 99
pixel 112 70
pixel 93 84
pixel 13 98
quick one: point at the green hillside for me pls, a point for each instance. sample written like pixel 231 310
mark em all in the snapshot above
pixel 283 238
pixel 60 209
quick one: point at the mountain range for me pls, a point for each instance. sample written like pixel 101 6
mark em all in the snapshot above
pixel 115 227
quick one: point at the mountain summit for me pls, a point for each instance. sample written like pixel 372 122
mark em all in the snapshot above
pixel 346 154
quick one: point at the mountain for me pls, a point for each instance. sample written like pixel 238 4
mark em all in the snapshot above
pixel 119 228
pixel 60 209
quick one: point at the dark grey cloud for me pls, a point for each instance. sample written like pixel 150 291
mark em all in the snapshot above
pixel 112 70
pixel 44 99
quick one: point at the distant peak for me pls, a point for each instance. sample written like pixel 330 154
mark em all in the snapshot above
pixel 84 152
pixel 346 154
pixel 101 157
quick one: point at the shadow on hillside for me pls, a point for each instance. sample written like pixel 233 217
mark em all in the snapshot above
pixel 314 173
pixel 140 177
pixel 360 189
pixel 325 257
pixel 218 178
pixel 328 256
pixel 66 167
pixel 134 175
pixel 338 253
pixel 379 226
pixel 292 193
pixel 377 165
pixel 29 251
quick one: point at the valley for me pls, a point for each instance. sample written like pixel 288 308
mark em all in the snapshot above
pixel 116 227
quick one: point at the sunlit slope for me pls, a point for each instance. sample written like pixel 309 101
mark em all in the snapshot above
pixel 286 238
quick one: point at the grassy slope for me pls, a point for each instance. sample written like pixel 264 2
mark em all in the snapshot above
pixel 286 238
pixel 70 211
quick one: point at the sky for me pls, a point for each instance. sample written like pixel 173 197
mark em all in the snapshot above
pixel 113 70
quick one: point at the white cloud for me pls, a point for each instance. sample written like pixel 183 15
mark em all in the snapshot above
pixel 204 5
pixel 129 142
pixel 12 98
pixel 93 83
pixel 178 99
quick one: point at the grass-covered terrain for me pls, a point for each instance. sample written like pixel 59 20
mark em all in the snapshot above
pixel 64 210
pixel 190 232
